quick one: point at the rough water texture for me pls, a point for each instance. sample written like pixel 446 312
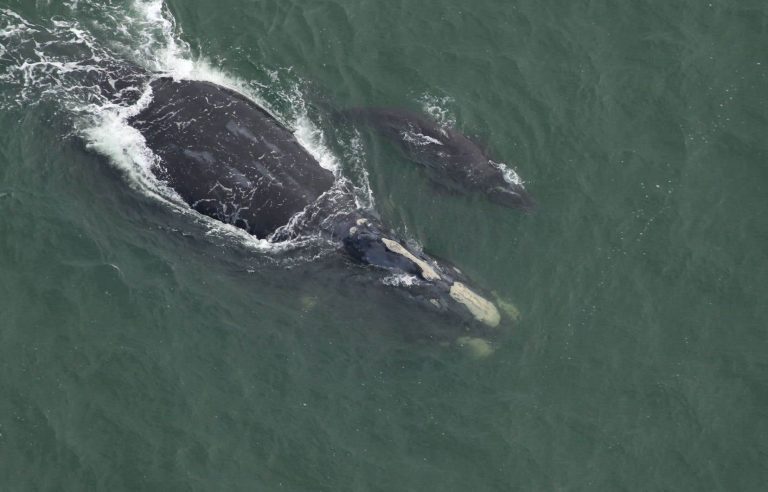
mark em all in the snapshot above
pixel 144 347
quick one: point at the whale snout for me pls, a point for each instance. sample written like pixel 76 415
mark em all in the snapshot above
pixel 483 310
pixel 435 285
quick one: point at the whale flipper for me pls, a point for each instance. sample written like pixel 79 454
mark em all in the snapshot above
pixel 454 160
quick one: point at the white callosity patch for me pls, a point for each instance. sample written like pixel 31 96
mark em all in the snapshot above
pixel 427 271
pixel 481 308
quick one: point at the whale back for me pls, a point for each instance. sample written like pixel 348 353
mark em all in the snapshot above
pixel 424 140
pixel 227 157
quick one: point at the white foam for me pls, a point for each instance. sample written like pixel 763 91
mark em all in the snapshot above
pixel 362 186
pixel 509 174
pixel 19 27
pixel 439 108
pixel 311 138
pixel 111 136
pixel 401 280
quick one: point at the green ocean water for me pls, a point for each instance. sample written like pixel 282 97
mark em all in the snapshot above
pixel 138 351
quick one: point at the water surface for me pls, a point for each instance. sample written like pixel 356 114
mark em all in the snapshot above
pixel 141 348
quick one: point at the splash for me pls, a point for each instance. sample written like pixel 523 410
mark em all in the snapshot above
pixel 401 280
pixel 361 180
pixel 439 108
pixel 509 174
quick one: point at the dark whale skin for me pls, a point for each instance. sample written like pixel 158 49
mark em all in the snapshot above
pixel 227 157
pixel 453 159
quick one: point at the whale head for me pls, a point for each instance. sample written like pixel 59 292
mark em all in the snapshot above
pixel 435 285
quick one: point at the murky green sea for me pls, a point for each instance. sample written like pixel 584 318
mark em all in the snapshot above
pixel 141 351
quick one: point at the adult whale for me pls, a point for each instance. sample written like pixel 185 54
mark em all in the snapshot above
pixel 454 160
pixel 230 159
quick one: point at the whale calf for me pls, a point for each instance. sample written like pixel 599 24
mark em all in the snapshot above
pixel 454 160
pixel 231 160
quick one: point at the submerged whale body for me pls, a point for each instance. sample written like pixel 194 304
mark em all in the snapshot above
pixel 231 160
pixel 454 160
